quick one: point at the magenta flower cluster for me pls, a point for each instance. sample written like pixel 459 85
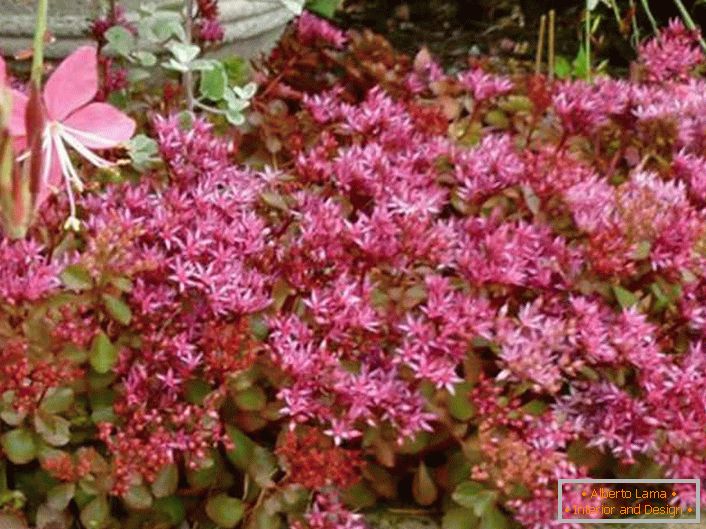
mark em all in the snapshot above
pixel 549 273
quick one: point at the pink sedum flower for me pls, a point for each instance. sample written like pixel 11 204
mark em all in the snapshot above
pixel 312 29
pixel 673 54
pixel 484 86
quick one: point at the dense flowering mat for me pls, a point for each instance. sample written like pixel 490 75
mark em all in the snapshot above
pixel 399 289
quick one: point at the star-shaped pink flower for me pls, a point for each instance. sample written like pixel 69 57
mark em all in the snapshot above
pixel 71 120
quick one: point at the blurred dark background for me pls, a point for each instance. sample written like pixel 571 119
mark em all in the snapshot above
pixel 454 28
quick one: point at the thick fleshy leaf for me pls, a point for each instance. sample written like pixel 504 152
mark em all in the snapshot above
pixel 224 510
pixel 424 489
pixel 73 84
pixel 103 125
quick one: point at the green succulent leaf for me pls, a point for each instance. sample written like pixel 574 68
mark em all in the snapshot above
pixel 166 482
pixel 225 510
pixel 475 496
pixel 76 278
pixel 494 519
pixel 57 400
pixel 625 298
pixel 424 489
pixel 54 429
pixel 19 446
pixel 96 513
pixel 103 354
pixel 117 309
pixel 172 507
pixel 138 497
pixel 60 495
pixel 251 399
pixel 459 518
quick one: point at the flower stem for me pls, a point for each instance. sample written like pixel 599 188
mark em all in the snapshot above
pixel 40 30
pixel 551 43
pixel 187 79
pixel 689 21
pixel 588 40
pixel 650 17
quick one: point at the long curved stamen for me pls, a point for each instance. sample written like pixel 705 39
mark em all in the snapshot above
pixel 83 150
pixel 68 172
pixel 67 166
pixel 48 152
pixel 89 136
pixel 86 153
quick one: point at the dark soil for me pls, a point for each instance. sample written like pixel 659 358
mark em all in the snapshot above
pixel 453 29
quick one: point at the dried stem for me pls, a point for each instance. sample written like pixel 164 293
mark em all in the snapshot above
pixel 540 45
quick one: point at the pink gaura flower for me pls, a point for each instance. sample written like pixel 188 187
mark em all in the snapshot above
pixel 71 120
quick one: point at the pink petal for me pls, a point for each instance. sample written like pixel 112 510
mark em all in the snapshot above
pixel 17 124
pixel 54 180
pixel 103 120
pixel 3 72
pixel 73 84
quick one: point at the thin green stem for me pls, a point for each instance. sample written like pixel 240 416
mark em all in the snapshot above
pixel 616 12
pixel 188 79
pixel 40 30
pixel 552 36
pixel 588 41
pixel 650 17
pixel 635 27
pixel 688 20
pixel 208 108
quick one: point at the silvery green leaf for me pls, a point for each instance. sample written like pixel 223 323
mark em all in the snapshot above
pixel 213 83
pixel 135 75
pixel 120 41
pixel 184 53
pixel 171 64
pixel 234 117
pixel 295 6
pixel 145 31
pixel 229 96
pixel 142 150
pixel 245 92
pixel 591 4
pixel 203 64
pixel 176 29
pixel 146 58
pixel 238 105
pixel 147 9
pixel 160 27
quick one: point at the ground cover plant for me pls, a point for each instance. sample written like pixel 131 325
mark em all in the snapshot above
pixel 391 289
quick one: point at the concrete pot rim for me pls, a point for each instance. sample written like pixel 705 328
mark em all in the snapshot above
pixel 257 22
